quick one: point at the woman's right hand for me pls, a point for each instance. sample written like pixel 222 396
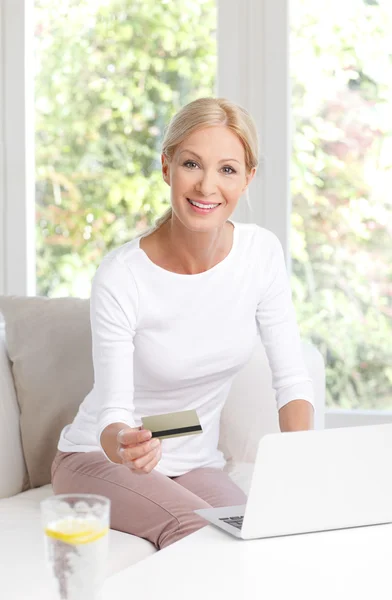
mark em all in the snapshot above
pixel 137 450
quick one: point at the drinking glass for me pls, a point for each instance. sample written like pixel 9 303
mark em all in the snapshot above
pixel 76 530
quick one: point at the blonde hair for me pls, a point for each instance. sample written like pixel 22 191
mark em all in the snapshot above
pixel 209 112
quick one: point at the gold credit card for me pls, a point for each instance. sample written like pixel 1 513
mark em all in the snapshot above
pixel 176 424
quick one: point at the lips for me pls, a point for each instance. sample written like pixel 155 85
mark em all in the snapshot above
pixel 203 209
pixel 202 202
pixel 205 206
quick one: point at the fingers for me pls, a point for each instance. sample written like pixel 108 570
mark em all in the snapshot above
pixel 151 465
pixel 133 436
pixel 142 449
pixel 144 463
pixel 131 453
pixel 137 450
pixel 143 457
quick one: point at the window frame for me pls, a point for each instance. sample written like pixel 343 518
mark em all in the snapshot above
pixel 253 70
pixel 17 205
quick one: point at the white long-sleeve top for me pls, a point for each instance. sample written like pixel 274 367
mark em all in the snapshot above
pixel 165 342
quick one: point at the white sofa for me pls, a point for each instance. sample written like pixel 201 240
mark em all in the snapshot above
pixel 249 413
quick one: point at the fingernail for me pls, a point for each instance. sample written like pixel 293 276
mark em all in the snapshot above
pixel 155 443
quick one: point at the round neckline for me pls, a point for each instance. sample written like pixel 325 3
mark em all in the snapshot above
pixel 194 275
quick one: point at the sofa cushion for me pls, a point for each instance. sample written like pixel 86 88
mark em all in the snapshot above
pixel 13 474
pixel 250 409
pixel 22 536
pixel 241 473
pixel 49 345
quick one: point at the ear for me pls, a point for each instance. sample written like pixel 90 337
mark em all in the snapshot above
pixel 249 178
pixel 165 168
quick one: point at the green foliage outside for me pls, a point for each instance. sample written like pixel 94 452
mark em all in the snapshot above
pixel 111 73
pixel 341 61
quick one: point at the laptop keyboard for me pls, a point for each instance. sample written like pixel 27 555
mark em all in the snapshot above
pixel 235 521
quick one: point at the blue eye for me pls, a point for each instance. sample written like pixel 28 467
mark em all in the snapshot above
pixel 191 164
pixel 230 168
pixel 188 164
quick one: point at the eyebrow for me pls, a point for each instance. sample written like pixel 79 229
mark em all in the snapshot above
pixel 199 157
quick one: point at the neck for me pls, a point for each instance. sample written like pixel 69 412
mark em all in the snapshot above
pixel 196 251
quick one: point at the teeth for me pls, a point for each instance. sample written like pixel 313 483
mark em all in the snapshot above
pixel 202 205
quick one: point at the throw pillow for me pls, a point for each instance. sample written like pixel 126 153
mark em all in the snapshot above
pixel 49 345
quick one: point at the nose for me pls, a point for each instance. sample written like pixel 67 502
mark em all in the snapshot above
pixel 206 185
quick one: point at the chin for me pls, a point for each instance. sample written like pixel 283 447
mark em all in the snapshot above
pixel 201 222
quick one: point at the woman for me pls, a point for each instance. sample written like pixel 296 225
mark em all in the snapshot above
pixel 175 315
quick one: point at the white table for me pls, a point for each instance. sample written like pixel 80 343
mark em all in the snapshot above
pixel 346 564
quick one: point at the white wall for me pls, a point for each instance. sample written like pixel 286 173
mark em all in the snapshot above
pixel 17 245
pixel 2 207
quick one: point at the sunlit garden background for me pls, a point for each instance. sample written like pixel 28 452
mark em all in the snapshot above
pixel 110 74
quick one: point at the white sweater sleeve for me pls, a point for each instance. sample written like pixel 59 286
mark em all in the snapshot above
pixel 113 314
pixel 279 331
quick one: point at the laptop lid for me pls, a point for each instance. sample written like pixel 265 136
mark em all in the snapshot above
pixel 319 480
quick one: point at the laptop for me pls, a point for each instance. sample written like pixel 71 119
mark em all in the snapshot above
pixel 310 481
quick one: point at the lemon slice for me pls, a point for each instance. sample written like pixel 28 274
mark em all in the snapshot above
pixel 76 531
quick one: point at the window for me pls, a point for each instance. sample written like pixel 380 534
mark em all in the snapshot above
pixel 109 75
pixel 96 175
pixel 341 69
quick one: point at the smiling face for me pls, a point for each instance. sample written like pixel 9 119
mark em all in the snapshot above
pixel 207 175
